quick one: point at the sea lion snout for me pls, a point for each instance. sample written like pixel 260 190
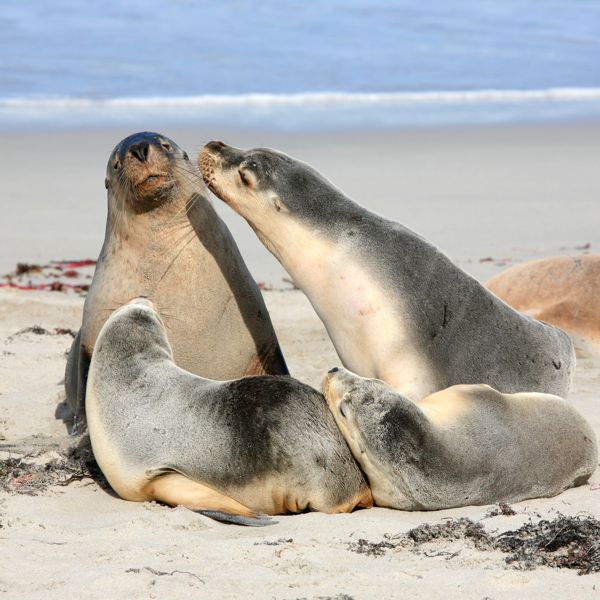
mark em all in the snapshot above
pixel 144 147
pixel 215 145
pixel 143 301
pixel 334 388
pixel 217 153
pixel 143 163
pixel 216 161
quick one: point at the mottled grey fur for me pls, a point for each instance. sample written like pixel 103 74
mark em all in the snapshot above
pixel 489 448
pixel 230 435
pixel 463 331
pixel 173 248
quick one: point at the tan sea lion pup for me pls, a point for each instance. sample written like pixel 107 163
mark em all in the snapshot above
pixel 395 307
pixel 165 241
pixel 238 448
pixel 562 290
pixel 465 445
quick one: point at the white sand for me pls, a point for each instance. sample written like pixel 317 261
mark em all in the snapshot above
pixel 508 193
pixel 504 192
pixel 80 541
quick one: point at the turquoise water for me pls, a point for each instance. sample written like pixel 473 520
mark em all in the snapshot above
pixel 294 64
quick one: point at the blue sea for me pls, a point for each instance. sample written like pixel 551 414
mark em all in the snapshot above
pixel 291 64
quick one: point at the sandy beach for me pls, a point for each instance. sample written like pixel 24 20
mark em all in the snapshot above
pixel 502 192
pixel 488 196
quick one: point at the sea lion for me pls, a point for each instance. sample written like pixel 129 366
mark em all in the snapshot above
pixel 465 445
pixel 259 444
pixel 165 241
pixel 561 290
pixel 396 308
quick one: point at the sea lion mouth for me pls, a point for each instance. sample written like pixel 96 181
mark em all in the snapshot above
pixel 152 180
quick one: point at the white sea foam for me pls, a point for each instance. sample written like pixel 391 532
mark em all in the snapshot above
pixel 314 99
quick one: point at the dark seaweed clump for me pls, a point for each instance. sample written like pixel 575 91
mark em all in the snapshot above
pixel 563 543
pixel 21 476
pixel 370 548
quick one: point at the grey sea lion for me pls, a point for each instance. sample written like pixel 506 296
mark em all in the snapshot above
pixel 165 241
pixel 253 445
pixel 465 445
pixel 561 290
pixel 396 308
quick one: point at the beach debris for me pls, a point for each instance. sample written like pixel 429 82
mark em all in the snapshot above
pixel 56 276
pixel 336 597
pixel 21 475
pixel 370 548
pixel 566 542
pixel 35 329
pixel 499 262
pixel 39 330
pixel 163 573
pixel 501 509
pixel 23 268
pixel 585 246
pixel 277 542
pixel 65 331
pixel 451 530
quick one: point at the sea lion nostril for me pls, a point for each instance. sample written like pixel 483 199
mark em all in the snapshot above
pixel 140 150
pixel 334 370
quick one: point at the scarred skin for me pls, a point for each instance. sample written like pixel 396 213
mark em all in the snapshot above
pixel 396 308
pixel 165 241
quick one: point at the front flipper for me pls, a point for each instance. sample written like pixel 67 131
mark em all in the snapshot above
pixel 176 489
pixel 76 372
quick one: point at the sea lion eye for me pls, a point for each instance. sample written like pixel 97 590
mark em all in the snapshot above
pixel 166 146
pixel 106 182
pixel 116 164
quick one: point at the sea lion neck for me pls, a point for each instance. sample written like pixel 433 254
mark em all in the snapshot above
pixel 129 226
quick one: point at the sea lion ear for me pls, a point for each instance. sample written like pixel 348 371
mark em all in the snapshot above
pixel 247 176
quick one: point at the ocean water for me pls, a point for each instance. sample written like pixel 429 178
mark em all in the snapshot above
pixel 294 64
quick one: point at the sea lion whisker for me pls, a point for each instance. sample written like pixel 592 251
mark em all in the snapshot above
pixel 183 247
pixel 184 211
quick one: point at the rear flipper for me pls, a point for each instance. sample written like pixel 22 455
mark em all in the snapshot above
pixel 176 489
pixel 259 521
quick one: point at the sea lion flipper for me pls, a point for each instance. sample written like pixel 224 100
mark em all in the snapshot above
pixel 176 489
pixel 259 521
pixel 78 364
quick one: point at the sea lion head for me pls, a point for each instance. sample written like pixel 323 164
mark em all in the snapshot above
pixel 355 403
pixel 267 187
pixel 376 421
pixel 146 171
pixel 135 329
